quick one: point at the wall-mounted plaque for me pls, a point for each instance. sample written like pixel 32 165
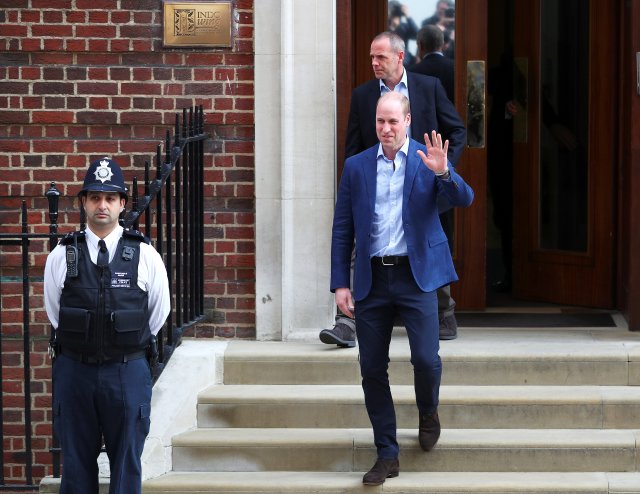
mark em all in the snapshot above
pixel 197 23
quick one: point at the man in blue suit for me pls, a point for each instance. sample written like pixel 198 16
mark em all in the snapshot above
pixel 387 205
pixel 430 110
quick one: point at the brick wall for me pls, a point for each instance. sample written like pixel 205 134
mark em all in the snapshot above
pixel 80 79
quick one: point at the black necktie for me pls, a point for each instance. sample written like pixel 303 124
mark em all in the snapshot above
pixel 103 254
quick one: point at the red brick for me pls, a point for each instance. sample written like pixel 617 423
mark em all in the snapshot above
pixel 223 104
pixel 244 104
pixel 54 117
pixel 120 16
pixel 94 31
pixel 30 16
pixel 17 146
pixel 238 59
pixel 239 147
pixel 52 59
pixel 245 74
pixel 243 45
pixel 239 118
pixel 30 102
pixel 30 45
pixel 206 59
pixel 106 88
pixel 97 4
pixel 99 103
pixel 142 45
pixel 98 147
pixel 243 89
pixel 245 32
pixel 99 16
pixel 98 58
pixel 245 18
pixel 100 45
pixel 52 16
pixel 203 74
pixel 45 146
pixel 76 16
pixel 30 72
pixel 51 4
pixel 142 88
pixel 118 45
pixel 15 31
pixel 75 44
pixel 48 30
pixel 53 44
pixel 142 74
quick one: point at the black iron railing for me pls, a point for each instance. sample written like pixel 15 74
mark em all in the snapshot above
pixel 170 212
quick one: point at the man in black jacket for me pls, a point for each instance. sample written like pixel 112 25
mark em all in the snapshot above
pixel 432 59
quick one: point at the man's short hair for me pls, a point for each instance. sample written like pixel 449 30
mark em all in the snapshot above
pixel 394 95
pixel 430 38
pixel 395 41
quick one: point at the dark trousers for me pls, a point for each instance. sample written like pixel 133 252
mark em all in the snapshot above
pixel 394 290
pixel 96 401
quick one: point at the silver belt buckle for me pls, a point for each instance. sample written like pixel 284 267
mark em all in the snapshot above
pixel 384 263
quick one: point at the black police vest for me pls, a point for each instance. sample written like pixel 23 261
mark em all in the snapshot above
pixel 103 311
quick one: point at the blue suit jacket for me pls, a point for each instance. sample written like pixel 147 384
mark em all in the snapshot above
pixel 427 245
pixel 430 110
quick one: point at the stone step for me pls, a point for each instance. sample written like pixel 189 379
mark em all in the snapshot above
pixel 463 450
pixel 406 482
pixel 476 407
pixel 479 357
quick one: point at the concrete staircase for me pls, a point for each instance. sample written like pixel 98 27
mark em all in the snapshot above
pixel 523 411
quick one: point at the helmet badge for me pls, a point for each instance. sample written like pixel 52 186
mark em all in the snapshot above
pixel 103 172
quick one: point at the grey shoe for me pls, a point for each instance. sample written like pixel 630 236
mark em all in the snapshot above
pixel 341 335
pixel 448 328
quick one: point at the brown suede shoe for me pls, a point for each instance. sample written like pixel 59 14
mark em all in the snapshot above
pixel 383 469
pixel 429 431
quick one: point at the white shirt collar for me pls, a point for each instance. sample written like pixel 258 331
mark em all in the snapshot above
pixel 110 240
pixel 404 149
pixel 403 80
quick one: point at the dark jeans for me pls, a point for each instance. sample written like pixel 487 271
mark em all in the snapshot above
pixel 394 291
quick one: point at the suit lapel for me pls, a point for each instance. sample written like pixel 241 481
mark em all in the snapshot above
pixel 370 168
pixel 413 165
pixel 417 108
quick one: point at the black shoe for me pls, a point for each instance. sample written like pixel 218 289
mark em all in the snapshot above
pixel 429 431
pixel 341 335
pixel 448 328
pixel 384 468
pixel 502 286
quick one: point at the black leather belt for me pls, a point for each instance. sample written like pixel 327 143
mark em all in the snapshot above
pixel 390 260
pixel 92 359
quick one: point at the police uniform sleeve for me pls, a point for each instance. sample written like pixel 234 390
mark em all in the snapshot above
pixel 157 286
pixel 55 272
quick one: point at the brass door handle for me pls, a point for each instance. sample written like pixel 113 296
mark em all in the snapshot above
pixel 476 103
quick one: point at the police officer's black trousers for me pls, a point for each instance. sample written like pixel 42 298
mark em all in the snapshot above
pixel 94 401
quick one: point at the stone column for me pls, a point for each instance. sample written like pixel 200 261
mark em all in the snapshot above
pixel 295 166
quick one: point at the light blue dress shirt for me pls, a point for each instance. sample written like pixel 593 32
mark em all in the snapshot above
pixel 387 234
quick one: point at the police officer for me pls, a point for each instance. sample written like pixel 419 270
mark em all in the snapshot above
pixel 107 296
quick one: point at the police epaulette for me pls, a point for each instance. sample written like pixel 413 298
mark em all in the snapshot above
pixel 135 234
pixel 69 237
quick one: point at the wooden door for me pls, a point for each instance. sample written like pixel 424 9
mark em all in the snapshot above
pixel 564 137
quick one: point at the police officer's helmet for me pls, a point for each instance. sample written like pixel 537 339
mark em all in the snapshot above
pixel 104 175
